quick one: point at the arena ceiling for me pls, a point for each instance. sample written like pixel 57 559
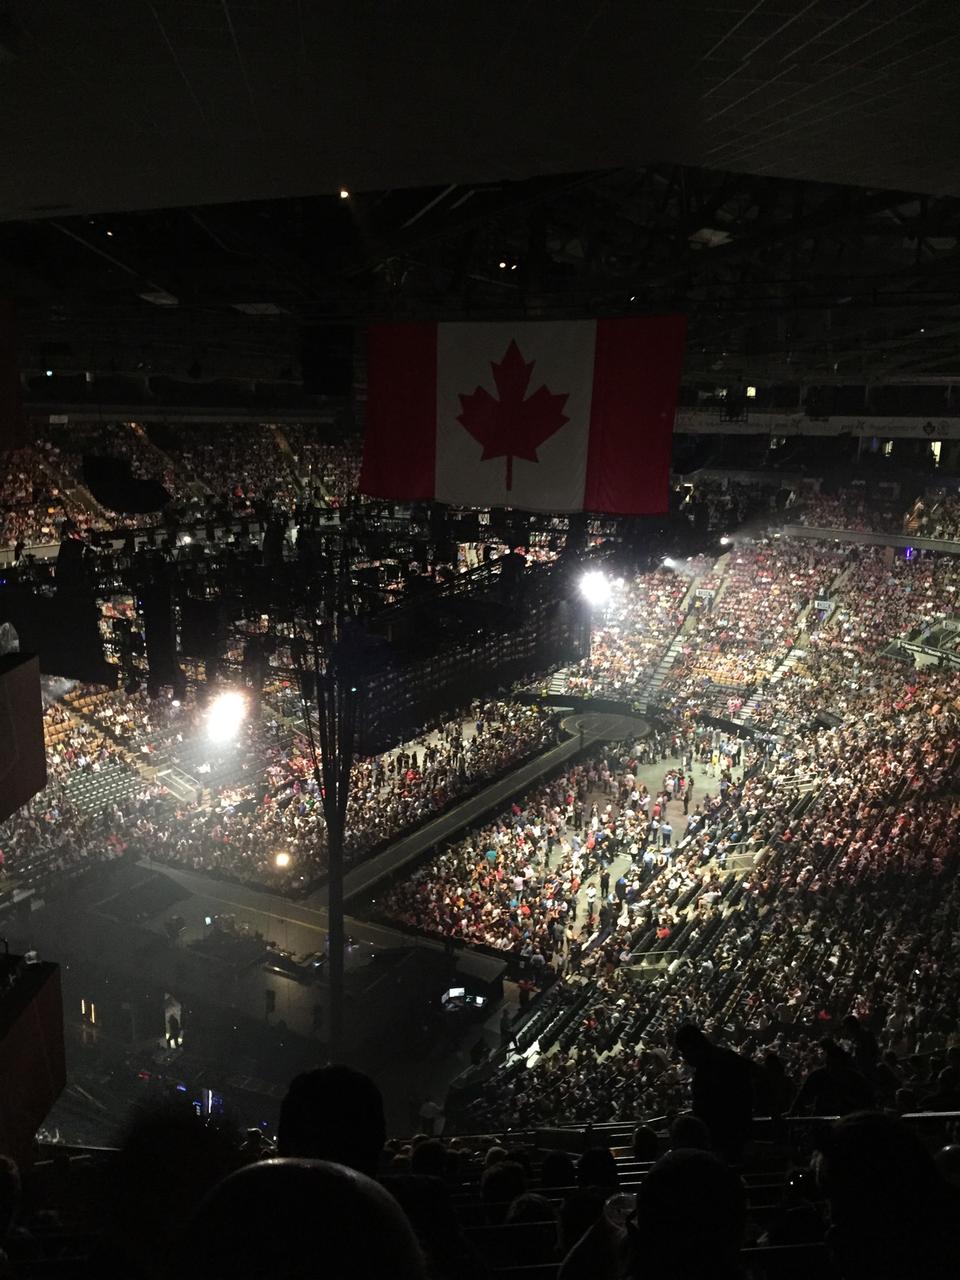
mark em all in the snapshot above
pixel 783 282
pixel 786 174
pixel 148 103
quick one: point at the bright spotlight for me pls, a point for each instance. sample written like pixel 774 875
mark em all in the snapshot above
pixel 344 194
pixel 225 715
pixel 595 587
pixel 668 562
pixel 282 860
pixel 725 540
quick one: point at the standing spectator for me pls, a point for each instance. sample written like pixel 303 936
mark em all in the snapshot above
pixel 722 1091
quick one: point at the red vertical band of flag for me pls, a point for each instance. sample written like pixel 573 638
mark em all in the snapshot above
pixel 400 445
pixel 13 427
pixel 635 377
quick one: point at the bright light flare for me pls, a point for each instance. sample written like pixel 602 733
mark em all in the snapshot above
pixel 225 715
pixel 281 860
pixel 595 587
pixel 725 540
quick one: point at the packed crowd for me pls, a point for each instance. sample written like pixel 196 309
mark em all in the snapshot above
pixel 636 627
pixel 520 884
pixel 722 505
pixel 939 517
pixel 825 959
pixel 848 908
pixel 852 508
pixel 54 835
pixel 33 507
pixel 241 465
pixel 330 472
pixel 259 799
pixel 881 597
pixel 125 441
pixel 245 827
pixel 752 622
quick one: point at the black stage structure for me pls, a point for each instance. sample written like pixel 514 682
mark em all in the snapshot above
pixel 369 682
pixel 373 666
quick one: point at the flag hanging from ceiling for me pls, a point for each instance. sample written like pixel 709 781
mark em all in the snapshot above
pixel 545 416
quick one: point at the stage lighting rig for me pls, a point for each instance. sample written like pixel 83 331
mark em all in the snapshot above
pixel 225 716
pixel 595 588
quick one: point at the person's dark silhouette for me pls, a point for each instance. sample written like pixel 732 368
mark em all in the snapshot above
pixel 722 1091
pixel 333 1113
pixel 690 1218
pixel 429 1157
pixel 500 1185
pixel 646 1144
pixel 557 1170
pixel 689 1133
pixel 773 1090
pixel 297 1219
pixel 167 1162
pixel 891 1213
pixel 597 1168
pixel 578 1213
pixel 9 1196
pixel 536 1243
pixel 946 1096
pixel 836 1088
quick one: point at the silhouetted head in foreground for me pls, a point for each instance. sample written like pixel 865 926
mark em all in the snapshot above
pixel 333 1113
pixel 891 1213
pixel 646 1144
pixel 691 1214
pixel 299 1219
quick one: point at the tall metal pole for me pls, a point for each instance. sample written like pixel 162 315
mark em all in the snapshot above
pixel 336 692
pixel 336 704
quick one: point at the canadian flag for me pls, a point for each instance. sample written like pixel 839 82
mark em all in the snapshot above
pixel 566 415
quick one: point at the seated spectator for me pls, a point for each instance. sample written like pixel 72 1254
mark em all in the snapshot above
pixel 500 1185
pixel 537 1243
pixel 946 1096
pixel 579 1212
pixel 167 1162
pixel 646 1144
pixel 598 1168
pixel 834 1089
pixel 557 1170
pixel 333 1113
pixel 690 1219
pixel 9 1204
pixel 429 1158
pixel 891 1213
pixel 296 1219
pixel 689 1133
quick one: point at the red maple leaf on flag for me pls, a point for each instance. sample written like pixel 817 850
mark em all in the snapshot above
pixel 513 426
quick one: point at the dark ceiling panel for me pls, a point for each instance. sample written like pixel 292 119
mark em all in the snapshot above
pixel 107 105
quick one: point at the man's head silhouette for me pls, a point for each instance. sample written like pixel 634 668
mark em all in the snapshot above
pixel 333 1113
